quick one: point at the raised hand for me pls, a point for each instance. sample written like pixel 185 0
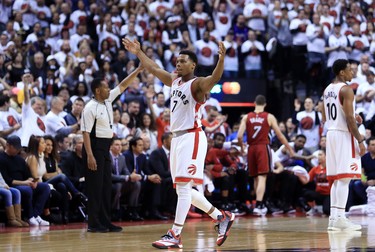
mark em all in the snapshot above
pixel 222 50
pixel 132 46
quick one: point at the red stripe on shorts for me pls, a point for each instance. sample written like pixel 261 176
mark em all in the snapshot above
pixel 196 181
pixel 353 149
pixel 196 143
pixel 344 175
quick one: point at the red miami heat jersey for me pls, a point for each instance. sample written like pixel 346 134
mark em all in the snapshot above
pixel 185 110
pixel 257 128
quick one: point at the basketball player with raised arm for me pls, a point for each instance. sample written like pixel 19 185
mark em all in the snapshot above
pixel 189 143
pixel 345 145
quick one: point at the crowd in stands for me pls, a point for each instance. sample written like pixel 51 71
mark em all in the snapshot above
pixel 50 51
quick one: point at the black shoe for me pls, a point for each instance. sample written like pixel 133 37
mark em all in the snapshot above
pixel 303 203
pixel 272 208
pixel 113 228
pixel 247 208
pixel 97 230
pixel 227 207
pixel 289 210
pixel 170 215
pixel 158 216
pixel 53 218
pixel 65 219
pixel 238 212
pixel 82 198
pixel 134 216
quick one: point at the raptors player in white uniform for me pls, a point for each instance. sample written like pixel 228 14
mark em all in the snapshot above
pixel 344 143
pixel 189 144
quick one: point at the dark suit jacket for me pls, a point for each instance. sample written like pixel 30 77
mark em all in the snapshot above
pixel 122 168
pixel 151 191
pixel 13 168
pixel 73 167
pixel 142 163
pixel 159 163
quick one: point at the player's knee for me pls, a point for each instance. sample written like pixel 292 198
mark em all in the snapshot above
pixel 183 189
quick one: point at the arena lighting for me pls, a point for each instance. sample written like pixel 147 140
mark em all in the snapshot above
pixel 228 88
pixel 231 88
pixel 238 92
pixel 237 104
pixel 216 89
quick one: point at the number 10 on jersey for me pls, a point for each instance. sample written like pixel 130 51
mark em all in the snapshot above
pixel 332 111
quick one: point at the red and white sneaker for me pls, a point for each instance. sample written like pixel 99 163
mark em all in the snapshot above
pixel 170 240
pixel 224 223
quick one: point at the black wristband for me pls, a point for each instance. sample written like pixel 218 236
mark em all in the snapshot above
pixel 361 140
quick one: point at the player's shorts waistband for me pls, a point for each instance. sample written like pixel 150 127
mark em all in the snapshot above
pixel 183 132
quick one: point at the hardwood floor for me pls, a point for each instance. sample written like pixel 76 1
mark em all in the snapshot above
pixel 283 233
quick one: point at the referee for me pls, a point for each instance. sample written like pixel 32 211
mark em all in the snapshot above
pixel 96 126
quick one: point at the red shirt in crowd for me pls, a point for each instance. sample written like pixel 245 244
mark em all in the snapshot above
pixel 319 175
pixel 219 158
pixel 162 127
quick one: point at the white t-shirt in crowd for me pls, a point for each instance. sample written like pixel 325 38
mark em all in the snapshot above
pixel 33 124
pixel 8 119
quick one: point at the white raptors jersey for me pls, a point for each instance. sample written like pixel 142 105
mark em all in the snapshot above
pixel 335 116
pixel 185 111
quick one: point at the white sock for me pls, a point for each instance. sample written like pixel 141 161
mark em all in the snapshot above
pixel 340 213
pixel 333 212
pixel 198 200
pixel 177 229
pixel 342 191
pixel 183 205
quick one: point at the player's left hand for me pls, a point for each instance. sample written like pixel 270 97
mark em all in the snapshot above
pixel 222 50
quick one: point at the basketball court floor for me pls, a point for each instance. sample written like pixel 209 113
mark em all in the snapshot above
pixel 282 233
